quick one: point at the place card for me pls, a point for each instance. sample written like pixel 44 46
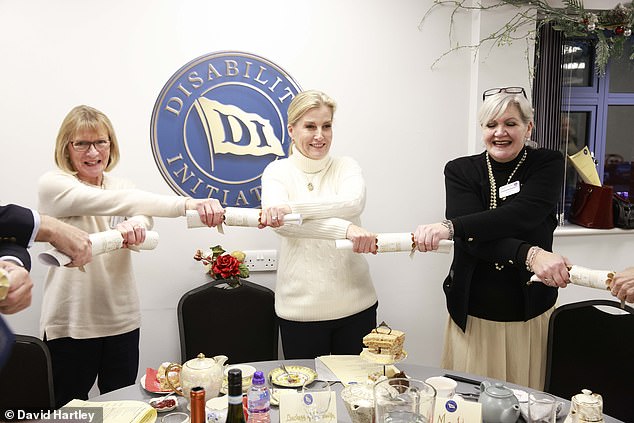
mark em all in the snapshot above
pixel 292 410
pixel 450 410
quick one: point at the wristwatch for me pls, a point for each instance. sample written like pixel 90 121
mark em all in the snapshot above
pixel 4 284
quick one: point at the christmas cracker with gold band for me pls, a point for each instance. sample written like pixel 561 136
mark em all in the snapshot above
pixel 102 242
pixel 4 284
pixel 395 242
pixel 235 216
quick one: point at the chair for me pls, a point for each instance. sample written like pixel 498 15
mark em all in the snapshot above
pixel 239 323
pixel 27 376
pixel 594 349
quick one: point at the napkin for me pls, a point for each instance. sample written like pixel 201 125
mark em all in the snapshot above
pixel 151 383
pixel 522 397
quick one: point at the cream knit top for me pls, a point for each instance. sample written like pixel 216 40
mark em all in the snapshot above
pixel 315 281
pixel 103 300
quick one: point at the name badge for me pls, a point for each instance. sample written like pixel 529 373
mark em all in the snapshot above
pixel 510 189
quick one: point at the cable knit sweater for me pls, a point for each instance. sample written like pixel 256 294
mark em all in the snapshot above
pixel 315 281
pixel 103 300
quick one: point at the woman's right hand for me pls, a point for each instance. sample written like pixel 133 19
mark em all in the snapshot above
pixel 363 241
pixel 427 237
pixel 551 268
pixel 210 210
pixel 274 216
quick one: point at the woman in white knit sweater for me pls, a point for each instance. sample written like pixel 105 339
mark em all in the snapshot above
pixel 324 297
pixel 90 320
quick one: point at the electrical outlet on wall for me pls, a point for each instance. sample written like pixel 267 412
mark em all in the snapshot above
pixel 261 260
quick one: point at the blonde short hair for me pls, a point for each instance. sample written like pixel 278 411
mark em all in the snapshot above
pixel 307 100
pixel 80 118
pixel 495 105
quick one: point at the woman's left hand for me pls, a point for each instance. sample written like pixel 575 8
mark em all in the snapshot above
pixel 427 237
pixel 133 233
pixel 363 241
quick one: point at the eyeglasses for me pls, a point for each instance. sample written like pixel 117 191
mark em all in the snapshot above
pixel 508 90
pixel 81 146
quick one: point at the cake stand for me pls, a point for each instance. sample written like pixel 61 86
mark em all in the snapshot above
pixel 382 359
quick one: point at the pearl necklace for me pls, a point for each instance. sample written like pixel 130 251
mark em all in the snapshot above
pixel 493 202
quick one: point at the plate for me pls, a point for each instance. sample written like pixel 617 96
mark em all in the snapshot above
pixel 154 401
pixel 142 382
pixel 296 377
pixel 382 359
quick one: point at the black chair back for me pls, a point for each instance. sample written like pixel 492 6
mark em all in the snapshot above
pixel 26 379
pixel 594 349
pixel 237 322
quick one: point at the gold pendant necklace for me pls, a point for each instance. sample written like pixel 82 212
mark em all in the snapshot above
pixel 493 202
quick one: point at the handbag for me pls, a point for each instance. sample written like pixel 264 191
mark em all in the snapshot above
pixel 623 212
pixel 592 206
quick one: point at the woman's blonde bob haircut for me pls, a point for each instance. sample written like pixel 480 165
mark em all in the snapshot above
pixel 78 119
pixel 494 106
pixel 307 100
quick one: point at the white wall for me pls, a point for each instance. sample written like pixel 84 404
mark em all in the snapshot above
pixel 401 120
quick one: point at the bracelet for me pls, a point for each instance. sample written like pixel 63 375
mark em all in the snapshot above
pixel 449 225
pixel 530 257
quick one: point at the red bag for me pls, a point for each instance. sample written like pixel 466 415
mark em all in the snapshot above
pixel 592 206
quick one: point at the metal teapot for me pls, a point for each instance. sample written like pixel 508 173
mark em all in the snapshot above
pixel 200 371
pixel 499 404
pixel 586 407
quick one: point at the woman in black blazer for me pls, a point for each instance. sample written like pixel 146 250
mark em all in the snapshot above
pixel 501 214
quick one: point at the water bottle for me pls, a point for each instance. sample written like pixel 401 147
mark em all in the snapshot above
pixel 259 400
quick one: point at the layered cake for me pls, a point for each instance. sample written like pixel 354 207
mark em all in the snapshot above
pixel 384 345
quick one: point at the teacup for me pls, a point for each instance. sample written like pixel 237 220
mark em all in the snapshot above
pixel 247 374
pixel 445 387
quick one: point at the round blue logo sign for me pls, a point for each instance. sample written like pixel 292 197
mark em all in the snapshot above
pixel 218 122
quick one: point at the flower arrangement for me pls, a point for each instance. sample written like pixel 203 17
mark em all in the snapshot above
pixel 608 29
pixel 221 266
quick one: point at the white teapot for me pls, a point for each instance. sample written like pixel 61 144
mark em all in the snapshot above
pixel 586 407
pixel 200 371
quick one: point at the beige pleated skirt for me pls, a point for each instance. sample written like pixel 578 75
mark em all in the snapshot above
pixel 510 351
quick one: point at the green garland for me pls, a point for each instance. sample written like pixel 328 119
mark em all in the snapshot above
pixel 608 29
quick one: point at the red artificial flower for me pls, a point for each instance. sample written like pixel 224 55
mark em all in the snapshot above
pixel 226 266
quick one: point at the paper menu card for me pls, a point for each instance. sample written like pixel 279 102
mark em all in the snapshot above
pixel 353 369
pixel 449 410
pixel 112 411
pixel 292 410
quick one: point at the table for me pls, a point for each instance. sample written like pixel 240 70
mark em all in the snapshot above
pixel 136 392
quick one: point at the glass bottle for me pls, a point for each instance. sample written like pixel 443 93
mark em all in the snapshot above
pixel 235 413
pixel 197 405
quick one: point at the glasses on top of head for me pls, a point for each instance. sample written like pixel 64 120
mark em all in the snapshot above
pixel 508 90
pixel 81 146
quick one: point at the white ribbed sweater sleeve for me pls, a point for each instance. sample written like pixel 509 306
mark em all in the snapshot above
pixel 63 195
pixel 341 196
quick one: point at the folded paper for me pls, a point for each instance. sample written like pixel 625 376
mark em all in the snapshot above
pixel 395 242
pixel 235 216
pixel 102 242
pixel 584 164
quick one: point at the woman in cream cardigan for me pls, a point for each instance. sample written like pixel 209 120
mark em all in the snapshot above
pixel 324 297
pixel 90 320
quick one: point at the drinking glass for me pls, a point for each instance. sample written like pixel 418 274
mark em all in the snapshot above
pixel 402 400
pixel 316 399
pixel 542 408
